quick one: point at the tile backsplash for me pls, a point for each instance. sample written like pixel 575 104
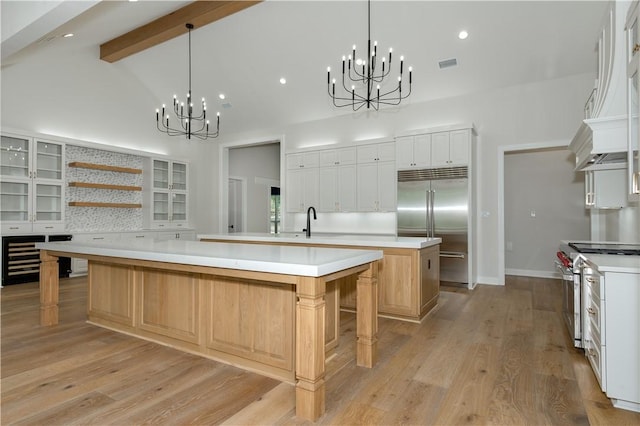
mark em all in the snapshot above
pixel 102 218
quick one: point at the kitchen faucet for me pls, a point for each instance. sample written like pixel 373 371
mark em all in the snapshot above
pixel 308 228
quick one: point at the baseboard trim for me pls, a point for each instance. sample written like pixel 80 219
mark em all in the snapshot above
pixel 531 273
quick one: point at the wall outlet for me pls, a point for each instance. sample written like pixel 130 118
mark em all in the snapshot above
pixel 533 213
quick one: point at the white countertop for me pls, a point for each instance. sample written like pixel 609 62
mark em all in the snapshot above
pixel 614 263
pixel 290 260
pixel 329 239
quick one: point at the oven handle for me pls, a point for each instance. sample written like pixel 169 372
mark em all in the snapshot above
pixel 567 273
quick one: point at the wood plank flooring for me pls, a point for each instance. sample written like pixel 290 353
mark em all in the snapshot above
pixel 494 355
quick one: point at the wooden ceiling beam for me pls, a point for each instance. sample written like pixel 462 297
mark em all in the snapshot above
pixel 198 13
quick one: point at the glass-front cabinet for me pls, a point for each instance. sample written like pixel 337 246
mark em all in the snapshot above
pixel 633 97
pixel 32 184
pixel 169 194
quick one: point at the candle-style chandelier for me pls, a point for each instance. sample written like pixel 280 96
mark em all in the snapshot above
pixel 364 75
pixel 190 125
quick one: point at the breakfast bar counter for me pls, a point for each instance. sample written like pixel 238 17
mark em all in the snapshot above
pixel 259 307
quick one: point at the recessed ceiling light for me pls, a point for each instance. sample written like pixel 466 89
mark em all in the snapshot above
pixel 67 35
pixel 221 96
pixel 463 35
pixel 283 80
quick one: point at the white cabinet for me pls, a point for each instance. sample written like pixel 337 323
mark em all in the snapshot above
pixel 633 101
pixel 80 266
pixel 175 235
pixel 302 190
pixel 450 148
pixel 413 152
pixel 169 194
pixel 375 153
pixel 376 187
pixel 32 187
pixel 376 177
pixel 611 329
pixel 337 177
pixel 605 189
pixel 303 159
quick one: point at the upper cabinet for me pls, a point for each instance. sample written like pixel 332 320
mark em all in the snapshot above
pixel 302 160
pixel 32 187
pixel 337 174
pixel 413 152
pixel 633 98
pixel 377 152
pixel 303 184
pixel 376 177
pixel 437 149
pixel 168 195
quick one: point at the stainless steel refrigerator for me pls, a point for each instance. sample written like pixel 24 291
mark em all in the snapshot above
pixel 434 203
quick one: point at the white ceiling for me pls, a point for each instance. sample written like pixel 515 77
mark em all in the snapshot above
pixel 244 55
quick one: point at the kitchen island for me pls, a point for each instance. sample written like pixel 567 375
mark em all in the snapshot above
pixel 261 308
pixel 408 275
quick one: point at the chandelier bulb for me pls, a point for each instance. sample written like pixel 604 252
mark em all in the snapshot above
pixel 334 81
pixel 218 114
pixel 329 68
pixel 354 47
pixel 157 111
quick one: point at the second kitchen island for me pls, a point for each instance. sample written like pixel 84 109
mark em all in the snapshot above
pixel 408 274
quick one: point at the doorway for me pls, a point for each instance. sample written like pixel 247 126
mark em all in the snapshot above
pixel 237 213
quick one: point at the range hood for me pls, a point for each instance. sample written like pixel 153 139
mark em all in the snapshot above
pixel 600 142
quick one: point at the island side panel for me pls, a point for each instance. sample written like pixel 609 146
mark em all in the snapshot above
pixel 49 284
pixel 310 347
pixel 367 317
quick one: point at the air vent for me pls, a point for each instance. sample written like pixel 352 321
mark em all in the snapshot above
pixel 432 174
pixel 448 63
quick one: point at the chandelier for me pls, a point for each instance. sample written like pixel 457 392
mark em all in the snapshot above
pixel 189 125
pixel 366 75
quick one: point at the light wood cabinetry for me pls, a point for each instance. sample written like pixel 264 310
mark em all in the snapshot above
pixel 32 186
pixel 611 333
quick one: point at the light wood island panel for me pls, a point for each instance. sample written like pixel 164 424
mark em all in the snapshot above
pixel 408 279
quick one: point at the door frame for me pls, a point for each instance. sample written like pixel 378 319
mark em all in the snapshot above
pixel 223 173
pixel 502 151
pixel 243 199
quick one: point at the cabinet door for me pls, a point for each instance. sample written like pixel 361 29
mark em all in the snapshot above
pixel 386 187
pixel 609 188
pixel 347 188
pixel 48 202
pixel 48 160
pixel 294 200
pixel 404 152
pixel 440 149
pixel 367 187
pixel 161 206
pixel 16 201
pixel 367 153
pixel 328 158
pixel 422 151
pixel 386 151
pixel 459 147
pixel 311 187
pixel 328 190
pixel 160 174
pixel 178 207
pixel 15 159
pixel 347 156
pixel 178 176
pixel 294 161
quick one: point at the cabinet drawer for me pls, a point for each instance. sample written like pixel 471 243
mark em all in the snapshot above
pixel 16 228
pixel 48 227
pixel 595 354
pixel 595 286
pixel 595 318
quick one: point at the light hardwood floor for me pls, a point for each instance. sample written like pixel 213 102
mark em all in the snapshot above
pixel 495 355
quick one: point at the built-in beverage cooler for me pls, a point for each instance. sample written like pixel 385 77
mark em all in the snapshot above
pixel 21 259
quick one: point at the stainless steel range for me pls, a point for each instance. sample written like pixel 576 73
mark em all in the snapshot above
pixel 570 265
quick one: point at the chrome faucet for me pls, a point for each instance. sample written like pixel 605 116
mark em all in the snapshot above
pixel 308 228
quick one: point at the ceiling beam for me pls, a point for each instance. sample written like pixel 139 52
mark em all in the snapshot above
pixel 198 13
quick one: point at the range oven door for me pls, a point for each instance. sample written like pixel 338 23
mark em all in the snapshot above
pixel 571 302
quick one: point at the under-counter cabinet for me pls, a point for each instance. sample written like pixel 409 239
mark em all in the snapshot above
pixel 32 187
pixel 169 194
pixel 611 328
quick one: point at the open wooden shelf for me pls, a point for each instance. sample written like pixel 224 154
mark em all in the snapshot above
pixel 105 186
pixel 105 167
pixel 96 204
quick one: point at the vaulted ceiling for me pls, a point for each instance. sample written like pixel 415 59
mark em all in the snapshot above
pixel 244 55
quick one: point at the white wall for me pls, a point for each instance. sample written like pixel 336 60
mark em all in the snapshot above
pixel 260 165
pixel 542 182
